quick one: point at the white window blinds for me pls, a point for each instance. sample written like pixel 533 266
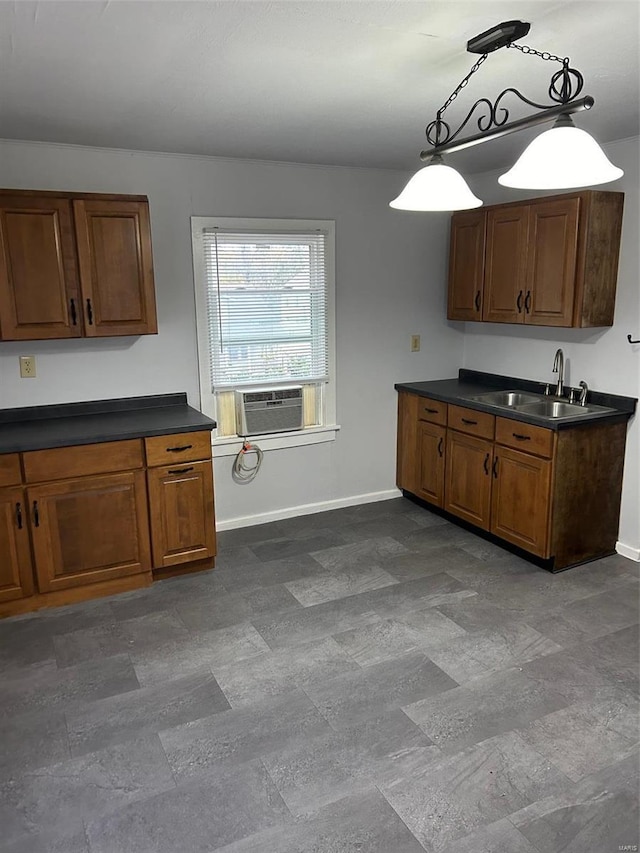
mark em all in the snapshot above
pixel 266 307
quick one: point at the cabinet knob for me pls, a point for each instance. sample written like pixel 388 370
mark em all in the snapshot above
pixel 477 300
pixel 440 446
pixel 179 449
pixel 495 468
pixel 469 421
pixel 521 437
pixel 527 302
pixel 74 314
pixel 89 313
pixel 180 470
pixel 36 515
pixel 486 464
pixel 519 301
pixel 19 515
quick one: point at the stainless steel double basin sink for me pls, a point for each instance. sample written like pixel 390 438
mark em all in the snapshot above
pixel 536 404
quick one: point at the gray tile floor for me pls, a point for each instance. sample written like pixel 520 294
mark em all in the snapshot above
pixel 372 679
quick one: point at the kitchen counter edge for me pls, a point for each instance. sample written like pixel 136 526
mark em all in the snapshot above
pixel 96 421
pixel 471 383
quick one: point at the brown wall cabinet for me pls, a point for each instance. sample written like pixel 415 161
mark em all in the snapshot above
pixel 536 488
pixel 75 265
pixel 549 262
pixel 95 519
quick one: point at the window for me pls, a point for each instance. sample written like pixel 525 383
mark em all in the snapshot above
pixel 265 314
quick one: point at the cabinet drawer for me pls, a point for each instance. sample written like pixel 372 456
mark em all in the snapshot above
pixel 432 410
pixel 472 422
pixel 179 447
pixel 10 469
pixel 61 463
pixel 531 439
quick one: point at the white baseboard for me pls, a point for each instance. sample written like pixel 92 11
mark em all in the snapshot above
pixel 628 551
pixel 306 509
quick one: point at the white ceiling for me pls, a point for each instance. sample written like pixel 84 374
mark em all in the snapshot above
pixel 346 83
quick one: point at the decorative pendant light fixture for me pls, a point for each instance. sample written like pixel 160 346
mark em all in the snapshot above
pixel 564 157
pixel 442 187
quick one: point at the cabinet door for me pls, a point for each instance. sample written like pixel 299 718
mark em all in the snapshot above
pixel 521 500
pixel 16 571
pixel 116 268
pixel 553 229
pixel 38 273
pixel 468 478
pixel 182 514
pixel 466 265
pixel 89 530
pixel 431 449
pixel 506 264
pixel 407 445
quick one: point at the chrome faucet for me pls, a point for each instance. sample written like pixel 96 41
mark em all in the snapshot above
pixel 584 390
pixel 558 367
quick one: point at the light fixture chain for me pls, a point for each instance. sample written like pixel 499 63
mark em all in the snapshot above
pixel 544 54
pixel 462 84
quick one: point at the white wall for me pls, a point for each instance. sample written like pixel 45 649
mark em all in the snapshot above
pixel 602 357
pixel 390 272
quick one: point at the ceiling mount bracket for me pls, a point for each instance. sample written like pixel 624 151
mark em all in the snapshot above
pixel 499 36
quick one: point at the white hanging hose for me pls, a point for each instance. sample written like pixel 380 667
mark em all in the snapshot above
pixel 241 472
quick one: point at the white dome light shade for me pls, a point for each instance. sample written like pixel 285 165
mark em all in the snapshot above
pixel 436 187
pixel 564 157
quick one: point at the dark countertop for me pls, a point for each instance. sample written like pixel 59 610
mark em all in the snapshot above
pixel 66 424
pixel 471 383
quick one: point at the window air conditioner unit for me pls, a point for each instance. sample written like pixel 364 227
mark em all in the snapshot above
pixel 266 411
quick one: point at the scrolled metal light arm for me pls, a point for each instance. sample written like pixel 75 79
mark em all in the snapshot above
pixel 564 87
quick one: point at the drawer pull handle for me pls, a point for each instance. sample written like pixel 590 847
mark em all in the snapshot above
pixel 431 411
pixel 477 300
pixel 36 514
pixel 179 449
pixel 19 516
pixel 469 421
pixel 440 447
pixel 74 315
pixel 519 302
pixel 485 464
pixel 89 312
pixel 527 302
pixel 521 437
pixel 495 468
pixel 181 470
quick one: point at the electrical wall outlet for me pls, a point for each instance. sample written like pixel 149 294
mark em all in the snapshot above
pixel 415 343
pixel 27 366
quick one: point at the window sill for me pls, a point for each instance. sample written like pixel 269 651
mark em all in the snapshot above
pixel 230 445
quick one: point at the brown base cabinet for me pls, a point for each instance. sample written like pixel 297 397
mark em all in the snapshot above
pixel 96 519
pixel 89 530
pixel 431 443
pixel 521 499
pixel 538 489
pixel 16 572
pixel 181 505
pixel 468 484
